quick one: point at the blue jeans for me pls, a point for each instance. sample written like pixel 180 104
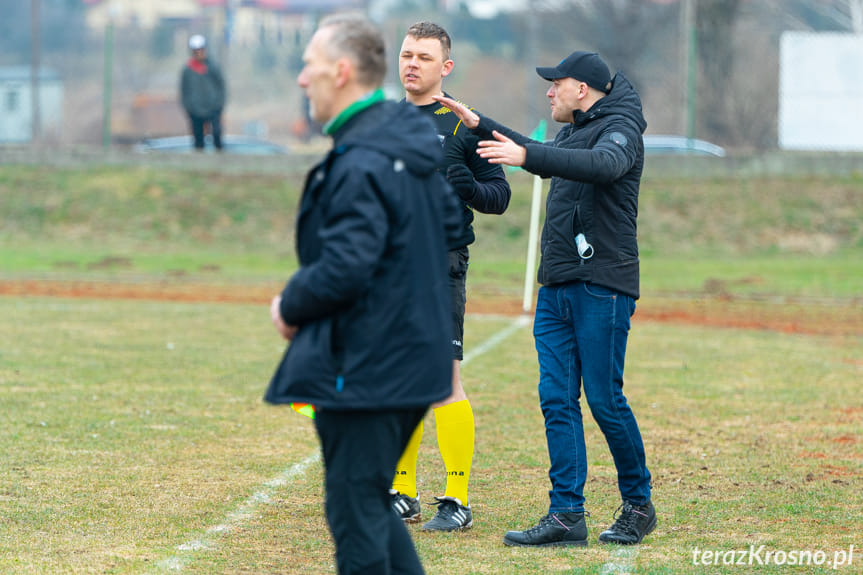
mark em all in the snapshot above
pixel 580 331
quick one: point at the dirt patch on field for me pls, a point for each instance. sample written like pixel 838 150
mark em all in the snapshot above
pixel 821 317
pixel 174 291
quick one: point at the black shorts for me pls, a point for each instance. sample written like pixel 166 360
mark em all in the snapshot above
pixel 458 262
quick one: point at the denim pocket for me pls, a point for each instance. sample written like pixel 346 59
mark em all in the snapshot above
pixel 599 291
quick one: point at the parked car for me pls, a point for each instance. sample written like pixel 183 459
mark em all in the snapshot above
pixel 230 145
pixel 672 145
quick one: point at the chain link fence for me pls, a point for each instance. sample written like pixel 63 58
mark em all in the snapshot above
pixel 111 77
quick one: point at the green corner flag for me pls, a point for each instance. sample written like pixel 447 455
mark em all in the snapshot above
pixel 538 134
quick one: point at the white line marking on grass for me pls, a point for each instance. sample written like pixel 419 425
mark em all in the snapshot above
pixel 621 562
pixel 237 517
pixel 246 510
pixel 497 338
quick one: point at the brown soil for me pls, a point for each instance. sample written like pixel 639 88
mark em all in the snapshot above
pixel 804 317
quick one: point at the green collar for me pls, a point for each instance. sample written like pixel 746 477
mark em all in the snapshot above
pixel 333 125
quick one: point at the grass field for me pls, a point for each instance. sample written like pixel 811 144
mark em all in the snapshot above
pixel 134 438
pixel 135 441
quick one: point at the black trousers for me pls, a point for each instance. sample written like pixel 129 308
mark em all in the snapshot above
pixel 360 450
pixel 198 124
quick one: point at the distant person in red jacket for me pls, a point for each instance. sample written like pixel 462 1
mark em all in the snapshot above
pixel 202 92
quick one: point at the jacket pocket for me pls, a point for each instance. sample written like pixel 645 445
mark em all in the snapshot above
pixel 308 369
pixel 579 235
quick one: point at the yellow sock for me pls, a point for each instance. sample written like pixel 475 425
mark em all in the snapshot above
pixel 455 437
pixel 405 481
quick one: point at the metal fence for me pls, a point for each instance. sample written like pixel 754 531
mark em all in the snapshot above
pixel 111 79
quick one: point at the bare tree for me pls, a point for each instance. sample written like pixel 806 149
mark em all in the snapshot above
pixel 715 21
pixel 624 32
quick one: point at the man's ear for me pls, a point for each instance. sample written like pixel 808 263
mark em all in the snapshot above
pixel 344 71
pixel 447 68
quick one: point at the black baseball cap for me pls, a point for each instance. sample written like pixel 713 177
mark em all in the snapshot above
pixel 586 67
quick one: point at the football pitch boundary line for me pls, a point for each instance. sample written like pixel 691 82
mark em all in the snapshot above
pixel 621 561
pixel 236 518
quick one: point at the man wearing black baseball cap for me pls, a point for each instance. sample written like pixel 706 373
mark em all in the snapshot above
pixel 585 66
pixel 590 281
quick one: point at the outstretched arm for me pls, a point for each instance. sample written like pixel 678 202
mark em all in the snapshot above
pixel 502 150
pixel 468 117
pixel 501 145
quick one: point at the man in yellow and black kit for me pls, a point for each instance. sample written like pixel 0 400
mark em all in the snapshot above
pixel 424 61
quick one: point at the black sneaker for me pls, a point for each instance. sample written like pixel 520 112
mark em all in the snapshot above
pixel 408 508
pixel 630 527
pixel 451 516
pixel 553 530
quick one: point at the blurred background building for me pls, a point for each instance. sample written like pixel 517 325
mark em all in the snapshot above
pixel 16 107
pixel 107 71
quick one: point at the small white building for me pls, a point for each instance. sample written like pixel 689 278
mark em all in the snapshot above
pixel 16 104
pixel 820 91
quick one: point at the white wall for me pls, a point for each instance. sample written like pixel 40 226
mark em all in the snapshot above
pixel 146 13
pixel 16 108
pixel 821 91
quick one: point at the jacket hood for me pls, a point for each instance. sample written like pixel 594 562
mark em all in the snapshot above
pixel 397 130
pixel 622 100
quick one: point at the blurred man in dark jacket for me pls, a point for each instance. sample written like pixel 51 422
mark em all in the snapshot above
pixel 368 310
pixel 202 92
pixel 590 280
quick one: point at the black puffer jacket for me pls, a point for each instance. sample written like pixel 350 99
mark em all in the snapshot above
pixel 371 297
pixel 595 166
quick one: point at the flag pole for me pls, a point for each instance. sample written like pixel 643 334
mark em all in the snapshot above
pixel 530 266
pixel 537 135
